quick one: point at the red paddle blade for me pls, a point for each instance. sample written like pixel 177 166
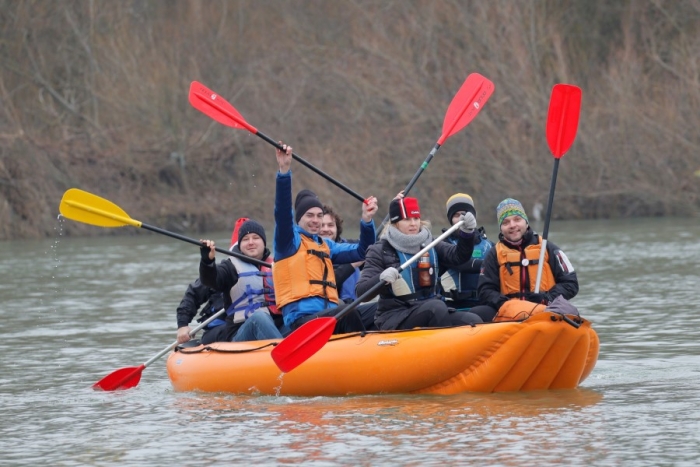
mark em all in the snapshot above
pixel 562 119
pixel 466 104
pixel 300 345
pixel 213 105
pixel 123 378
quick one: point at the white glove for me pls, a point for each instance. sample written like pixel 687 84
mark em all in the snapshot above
pixel 389 275
pixel 469 223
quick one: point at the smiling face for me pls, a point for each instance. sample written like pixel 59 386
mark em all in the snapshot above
pixel 329 229
pixel 311 220
pixel 513 228
pixel 252 245
pixel 409 226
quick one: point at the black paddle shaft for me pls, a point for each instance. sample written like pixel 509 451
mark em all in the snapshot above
pixel 413 181
pixel 312 167
pixel 240 256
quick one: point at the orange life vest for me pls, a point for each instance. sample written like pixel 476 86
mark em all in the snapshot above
pixel 510 261
pixel 307 273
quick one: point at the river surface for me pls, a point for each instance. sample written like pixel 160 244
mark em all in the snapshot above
pixel 73 310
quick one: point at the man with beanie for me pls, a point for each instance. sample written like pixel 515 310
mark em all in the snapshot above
pixel 509 270
pixel 459 284
pixel 198 294
pixel 249 297
pixel 303 273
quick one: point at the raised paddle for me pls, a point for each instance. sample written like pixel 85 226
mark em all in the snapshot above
pixel 128 377
pixel 308 339
pixel 213 105
pixel 562 125
pixel 87 208
pixel 465 105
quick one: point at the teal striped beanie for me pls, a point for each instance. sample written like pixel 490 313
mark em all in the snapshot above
pixel 510 207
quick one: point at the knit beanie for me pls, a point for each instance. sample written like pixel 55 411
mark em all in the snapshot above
pixel 403 208
pixel 236 227
pixel 510 207
pixel 250 226
pixel 459 202
pixel 305 200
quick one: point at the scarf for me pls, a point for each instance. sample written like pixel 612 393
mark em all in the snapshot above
pixel 410 244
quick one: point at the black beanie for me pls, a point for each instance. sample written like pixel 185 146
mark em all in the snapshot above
pixel 251 227
pixel 305 200
pixel 459 202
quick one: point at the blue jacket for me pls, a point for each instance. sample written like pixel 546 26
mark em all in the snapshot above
pixel 287 239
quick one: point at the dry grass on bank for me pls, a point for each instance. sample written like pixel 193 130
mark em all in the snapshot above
pixel 94 95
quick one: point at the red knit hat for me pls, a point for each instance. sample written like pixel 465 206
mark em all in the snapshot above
pixel 403 208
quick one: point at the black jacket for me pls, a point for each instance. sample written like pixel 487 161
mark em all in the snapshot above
pixel 490 280
pixel 197 295
pixel 391 311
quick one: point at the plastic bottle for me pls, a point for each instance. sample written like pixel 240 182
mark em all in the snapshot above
pixel 424 268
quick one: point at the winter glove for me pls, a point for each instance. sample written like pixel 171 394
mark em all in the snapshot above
pixel 469 223
pixel 390 275
pixel 537 297
pixel 204 251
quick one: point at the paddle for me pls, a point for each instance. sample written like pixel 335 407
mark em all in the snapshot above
pixel 213 105
pixel 308 339
pixel 562 124
pixel 85 207
pixel 465 105
pixel 128 377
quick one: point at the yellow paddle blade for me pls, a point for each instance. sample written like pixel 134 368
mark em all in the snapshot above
pixel 85 207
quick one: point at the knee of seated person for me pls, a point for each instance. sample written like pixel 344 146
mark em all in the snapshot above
pixel 439 306
pixel 471 318
pixel 257 317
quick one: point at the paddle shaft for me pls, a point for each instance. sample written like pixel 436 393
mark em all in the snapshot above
pixel 213 105
pixel 126 220
pixel 545 233
pixel 129 377
pixel 240 256
pixel 367 295
pixel 312 167
pixel 413 181
pixel 192 334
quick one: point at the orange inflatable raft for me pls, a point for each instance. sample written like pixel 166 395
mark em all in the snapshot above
pixel 542 352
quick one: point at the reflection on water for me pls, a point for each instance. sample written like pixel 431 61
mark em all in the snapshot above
pixel 76 309
pixel 409 429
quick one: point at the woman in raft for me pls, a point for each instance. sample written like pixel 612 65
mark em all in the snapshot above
pixel 409 299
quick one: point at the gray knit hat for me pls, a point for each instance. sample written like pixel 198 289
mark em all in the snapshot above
pixel 459 202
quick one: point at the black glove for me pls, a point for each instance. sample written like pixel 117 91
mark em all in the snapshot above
pixel 537 298
pixel 204 251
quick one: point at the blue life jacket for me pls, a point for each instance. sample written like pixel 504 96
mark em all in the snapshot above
pixel 252 292
pixel 460 286
pixel 411 274
pixel 214 304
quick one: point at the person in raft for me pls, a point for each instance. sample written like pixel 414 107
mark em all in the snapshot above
pixel 346 275
pixel 249 297
pixel 198 294
pixel 509 271
pixel 305 283
pixel 459 284
pixel 410 299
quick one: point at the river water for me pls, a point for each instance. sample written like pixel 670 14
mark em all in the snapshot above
pixel 73 310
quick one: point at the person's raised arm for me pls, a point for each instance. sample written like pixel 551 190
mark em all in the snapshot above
pixel 367 233
pixel 284 219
